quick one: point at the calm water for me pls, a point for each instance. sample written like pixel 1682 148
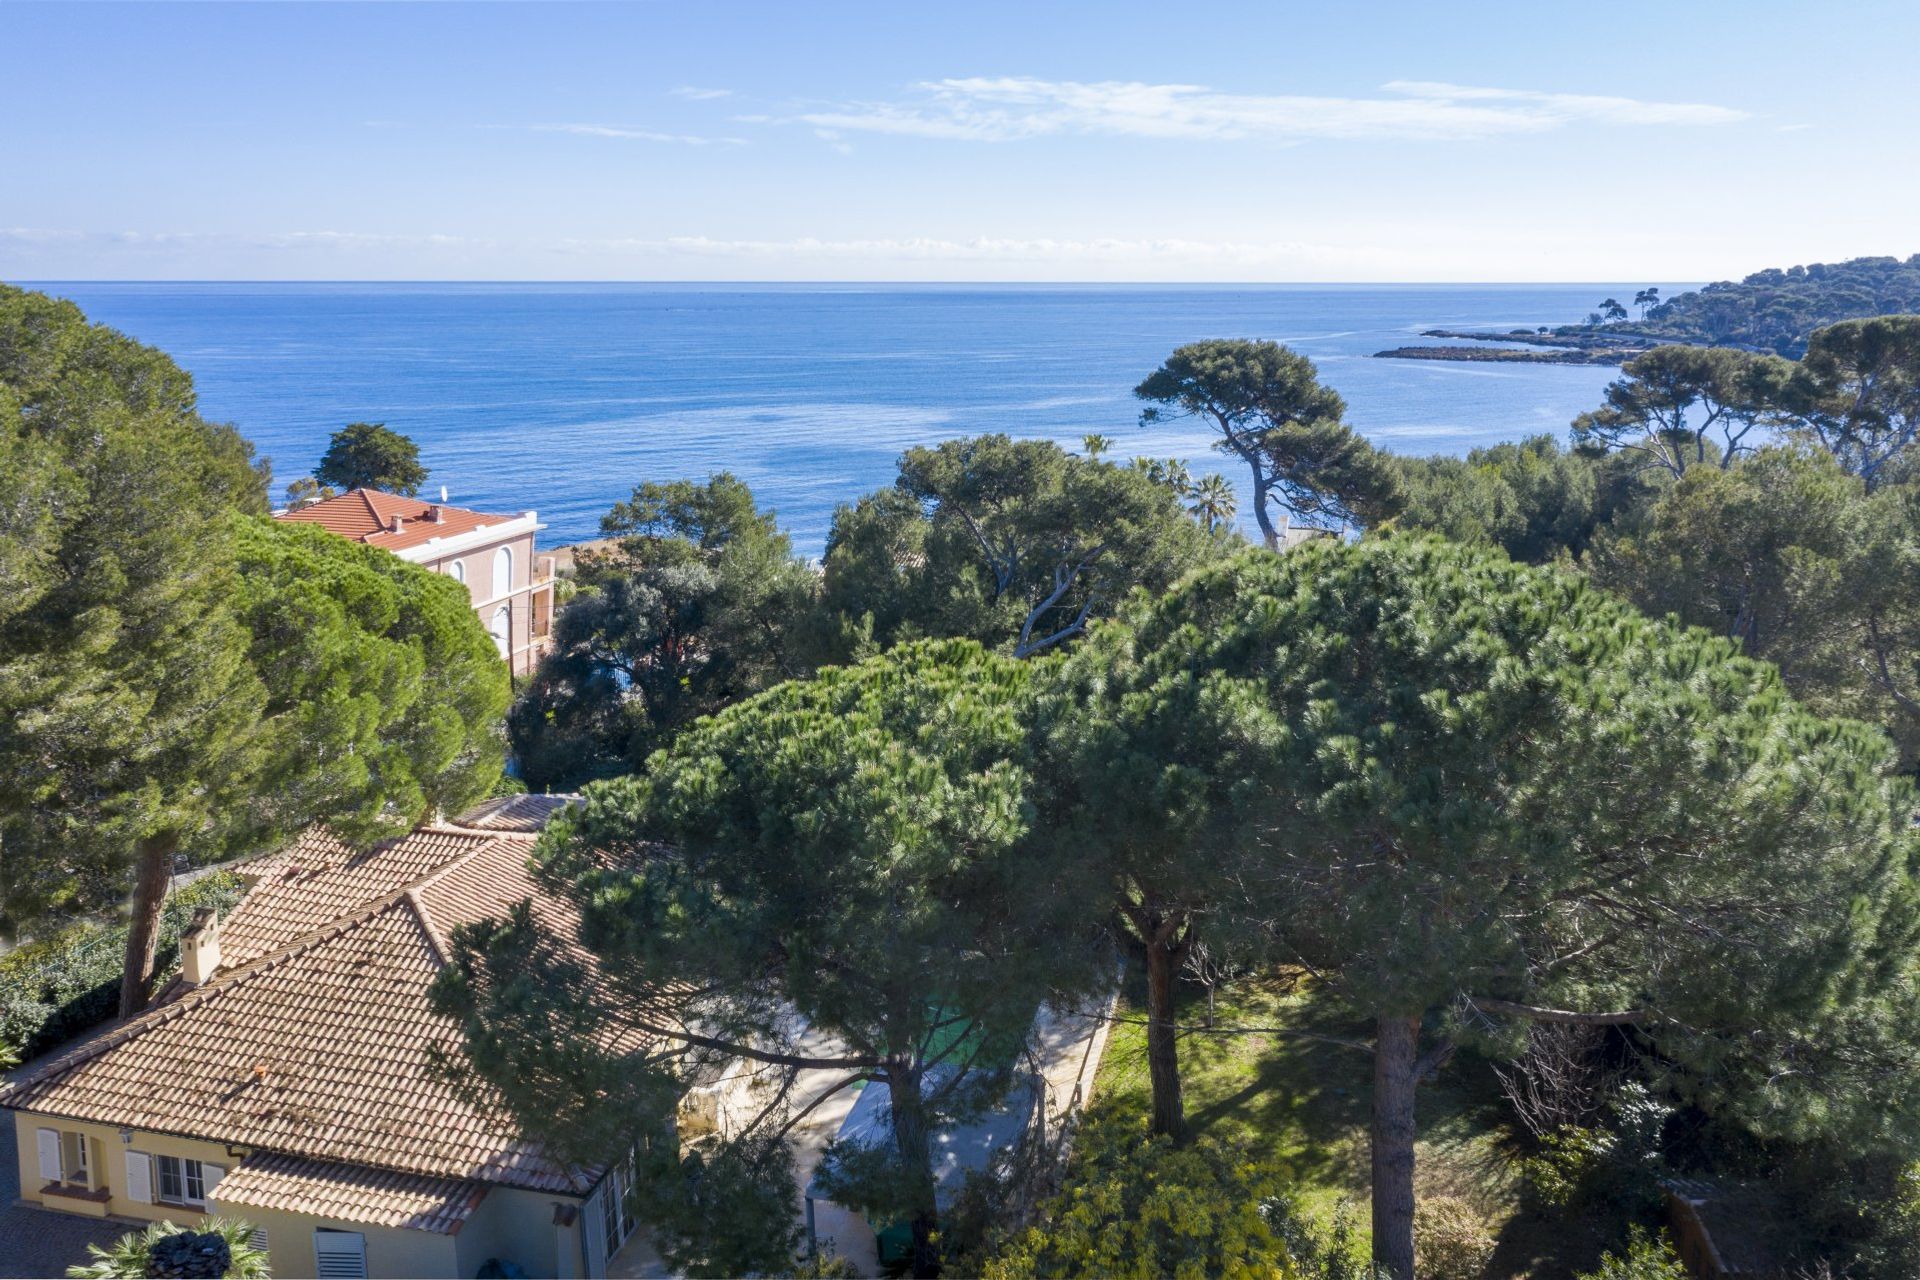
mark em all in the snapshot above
pixel 562 397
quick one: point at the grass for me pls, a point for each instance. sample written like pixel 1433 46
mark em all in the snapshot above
pixel 1306 1102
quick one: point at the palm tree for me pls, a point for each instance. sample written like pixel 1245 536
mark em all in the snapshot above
pixel 1095 445
pixel 1213 501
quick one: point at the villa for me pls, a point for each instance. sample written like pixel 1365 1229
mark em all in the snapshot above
pixel 493 555
pixel 286 1077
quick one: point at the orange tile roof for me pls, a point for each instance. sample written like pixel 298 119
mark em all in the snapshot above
pixel 318 879
pixel 514 813
pixel 344 1193
pixel 316 1041
pixel 367 515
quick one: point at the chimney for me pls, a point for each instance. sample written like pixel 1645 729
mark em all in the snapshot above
pixel 435 515
pixel 200 947
pixel 397 524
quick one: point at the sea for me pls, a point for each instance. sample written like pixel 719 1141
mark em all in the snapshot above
pixel 560 398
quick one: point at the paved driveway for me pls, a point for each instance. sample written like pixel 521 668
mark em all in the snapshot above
pixel 34 1242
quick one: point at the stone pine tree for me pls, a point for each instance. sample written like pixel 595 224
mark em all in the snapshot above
pixel 370 455
pixel 1015 543
pixel 179 675
pixel 1268 408
pixel 1472 792
pixel 127 703
pixel 385 697
pixel 1858 389
pixel 1678 407
pixel 859 859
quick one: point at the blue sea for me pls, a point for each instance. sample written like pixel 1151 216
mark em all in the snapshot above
pixel 562 397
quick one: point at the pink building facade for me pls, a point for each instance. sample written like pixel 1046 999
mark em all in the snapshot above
pixel 492 555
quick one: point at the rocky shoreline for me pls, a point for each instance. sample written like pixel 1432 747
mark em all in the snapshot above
pixel 1557 348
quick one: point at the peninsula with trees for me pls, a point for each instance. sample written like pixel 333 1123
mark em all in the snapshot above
pixel 1774 311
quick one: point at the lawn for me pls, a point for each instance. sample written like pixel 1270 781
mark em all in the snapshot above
pixel 1305 1102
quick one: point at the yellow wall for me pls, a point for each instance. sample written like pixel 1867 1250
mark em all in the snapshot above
pixel 507 1224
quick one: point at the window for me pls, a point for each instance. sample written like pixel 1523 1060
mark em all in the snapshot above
pixel 503 571
pixel 459 570
pixel 74 1157
pixel 502 629
pixel 180 1181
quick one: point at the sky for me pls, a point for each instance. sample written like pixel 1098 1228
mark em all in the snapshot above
pixel 1035 141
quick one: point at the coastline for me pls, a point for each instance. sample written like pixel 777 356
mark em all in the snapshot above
pixel 1558 347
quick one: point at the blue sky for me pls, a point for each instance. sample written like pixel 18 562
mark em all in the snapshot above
pixel 913 141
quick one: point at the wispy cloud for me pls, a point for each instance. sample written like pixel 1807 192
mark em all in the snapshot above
pixel 694 93
pixel 899 249
pixel 637 135
pixel 1008 108
pixel 987 249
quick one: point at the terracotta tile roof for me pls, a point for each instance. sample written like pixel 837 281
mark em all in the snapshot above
pixel 318 879
pixel 367 515
pixel 514 813
pixel 345 1193
pixel 319 1046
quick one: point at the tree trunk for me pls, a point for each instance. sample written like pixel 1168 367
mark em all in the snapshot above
pixel 153 866
pixel 1164 956
pixel 914 1145
pixel 1396 1053
pixel 1261 515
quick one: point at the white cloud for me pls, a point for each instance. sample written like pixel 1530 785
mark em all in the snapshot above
pixel 987 249
pixel 638 135
pixel 695 94
pixel 1007 108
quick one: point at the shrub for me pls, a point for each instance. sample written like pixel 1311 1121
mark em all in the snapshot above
pixel 1619 1166
pixel 1138 1206
pixel 221 1248
pixel 1647 1258
pixel 54 989
pixel 1451 1239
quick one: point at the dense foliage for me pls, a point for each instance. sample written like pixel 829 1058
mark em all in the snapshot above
pixel 1534 498
pixel 1416 732
pixel 178 677
pixel 54 988
pixel 1776 310
pixel 864 850
pixel 1016 544
pixel 1141 1207
pixel 696 603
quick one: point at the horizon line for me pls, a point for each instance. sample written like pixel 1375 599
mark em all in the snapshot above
pixel 1070 284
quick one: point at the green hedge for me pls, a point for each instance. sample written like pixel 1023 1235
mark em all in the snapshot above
pixel 54 989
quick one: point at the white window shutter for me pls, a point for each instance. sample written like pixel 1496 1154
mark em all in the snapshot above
pixel 339 1255
pixel 140 1177
pixel 49 1143
pixel 593 1221
pixel 210 1175
pixel 258 1239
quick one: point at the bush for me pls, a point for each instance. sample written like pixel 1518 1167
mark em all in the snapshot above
pixel 1451 1239
pixel 52 990
pixel 221 1248
pixel 1619 1166
pixel 1647 1258
pixel 1138 1206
